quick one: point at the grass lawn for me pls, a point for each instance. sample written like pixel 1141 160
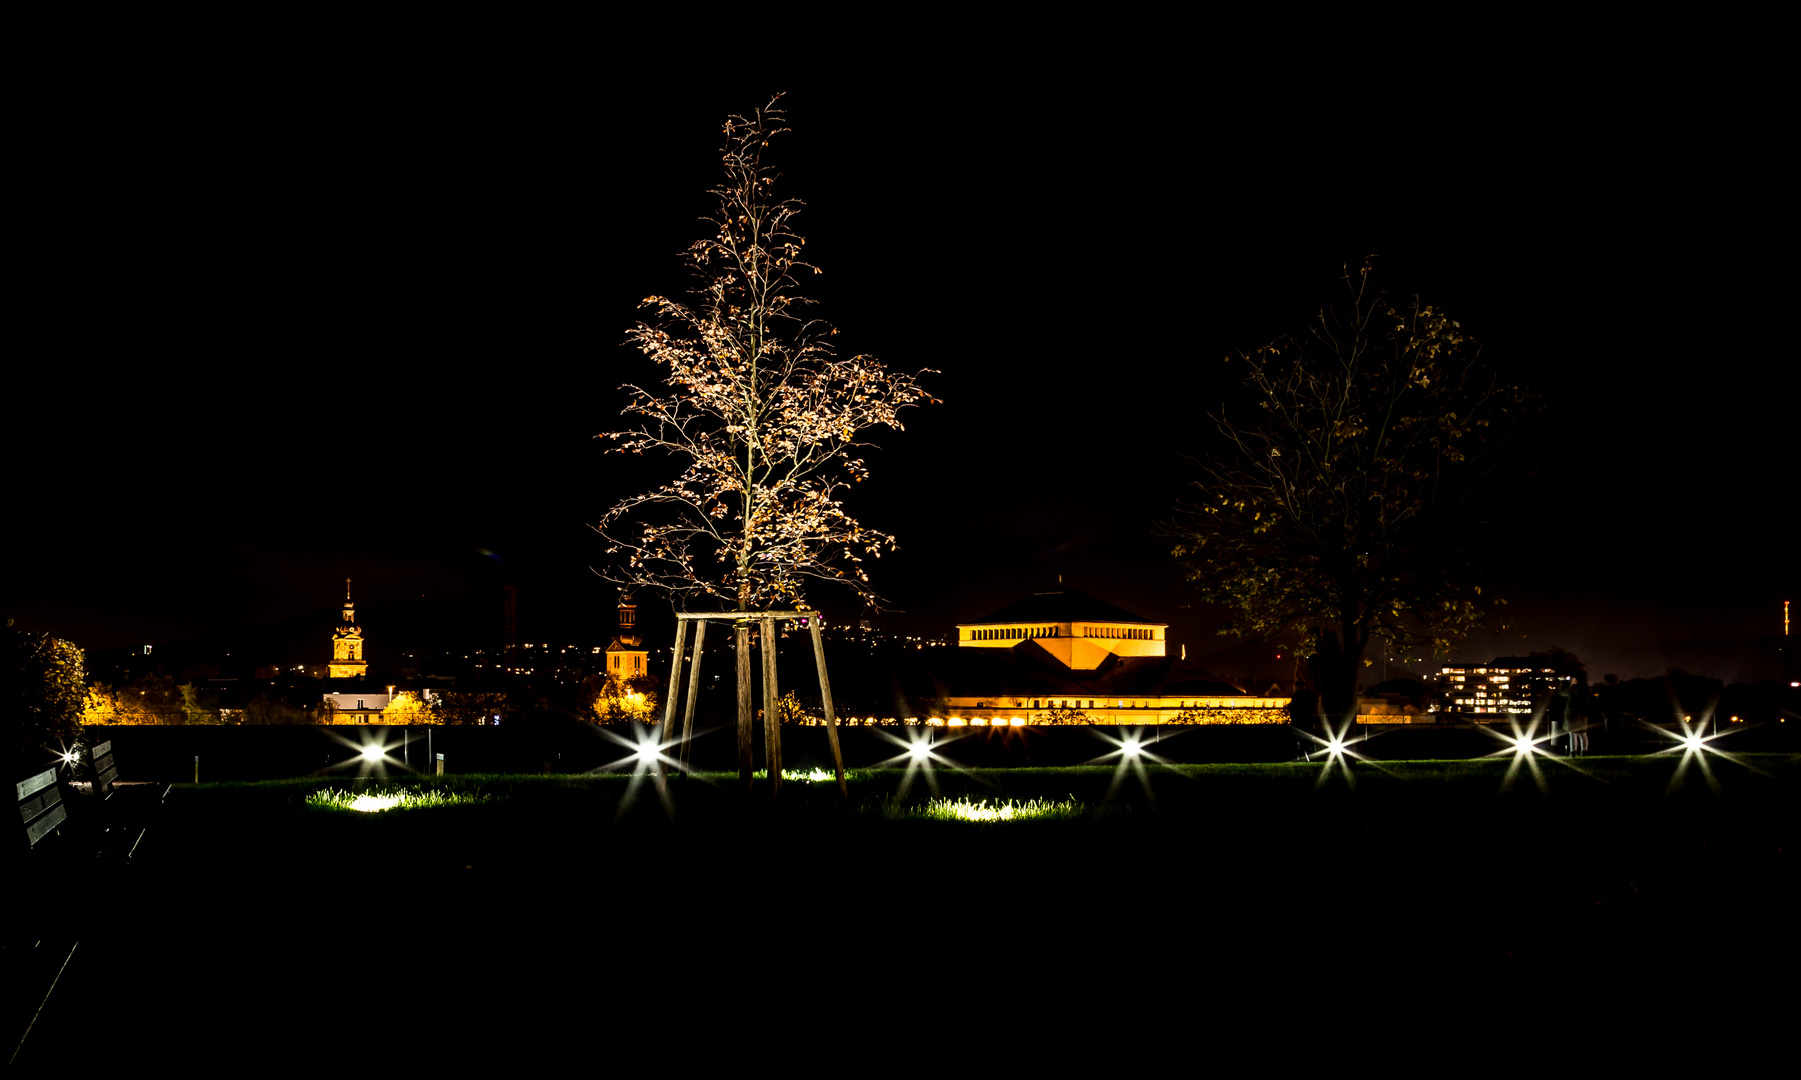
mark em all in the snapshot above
pixel 553 907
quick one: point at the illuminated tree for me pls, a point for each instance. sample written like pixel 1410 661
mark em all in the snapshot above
pixel 42 692
pixel 125 708
pixel 790 711
pixel 619 701
pixel 1347 506
pixel 407 708
pixel 762 415
pixel 194 710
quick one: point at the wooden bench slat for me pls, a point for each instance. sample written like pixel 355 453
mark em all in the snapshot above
pixel 37 804
pixel 38 829
pixel 36 784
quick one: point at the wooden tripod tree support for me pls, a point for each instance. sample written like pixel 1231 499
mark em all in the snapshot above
pixel 772 720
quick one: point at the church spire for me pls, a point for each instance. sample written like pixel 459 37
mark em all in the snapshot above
pixel 347 643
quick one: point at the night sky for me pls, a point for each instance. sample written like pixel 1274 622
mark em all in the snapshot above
pixel 369 328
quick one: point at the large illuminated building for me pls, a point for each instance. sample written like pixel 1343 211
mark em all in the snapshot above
pixel 347 643
pixel 1063 652
pixel 1507 687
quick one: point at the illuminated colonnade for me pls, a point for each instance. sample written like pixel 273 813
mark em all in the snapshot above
pixel 1076 638
pixel 1141 709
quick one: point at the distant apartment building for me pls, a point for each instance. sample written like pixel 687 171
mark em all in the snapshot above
pixel 1506 687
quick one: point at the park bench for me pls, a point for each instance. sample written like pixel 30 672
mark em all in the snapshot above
pixel 115 824
pixel 36 948
pixel 42 931
pixel 41 806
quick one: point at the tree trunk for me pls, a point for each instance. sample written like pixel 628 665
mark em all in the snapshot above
pixel 746 765
pixel 1335 676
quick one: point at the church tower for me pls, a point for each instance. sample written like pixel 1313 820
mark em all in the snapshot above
pixel 347 643
pixel 626 656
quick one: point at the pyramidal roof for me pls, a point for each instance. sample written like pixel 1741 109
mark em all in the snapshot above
pixel 1060 606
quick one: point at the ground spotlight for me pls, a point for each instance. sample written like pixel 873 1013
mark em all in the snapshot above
pixel 919 751
pixel 1527 747
pixel 371 753
pixel 1696 749
pixel 1337 746
pixel 1130 749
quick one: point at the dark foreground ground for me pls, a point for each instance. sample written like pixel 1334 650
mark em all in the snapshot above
pixel 1201 907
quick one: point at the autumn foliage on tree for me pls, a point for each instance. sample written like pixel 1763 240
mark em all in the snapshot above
pixel 762 416
pixel 619 701
pixel 43 689
pixel 1346 506
pixel 119 708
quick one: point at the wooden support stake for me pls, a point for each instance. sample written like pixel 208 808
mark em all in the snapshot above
pixel 675 689
pixel 825 694
pixel 675 677
pixel 772 720
pixel 700 637
pixel 746 751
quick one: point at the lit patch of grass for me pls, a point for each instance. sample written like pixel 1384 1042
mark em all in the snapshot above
pixel 965 809
pixel 398 799
pixel 805 776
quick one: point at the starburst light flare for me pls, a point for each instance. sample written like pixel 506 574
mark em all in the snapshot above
pixel 1697 748
pixel 370 753
pixel 1336 748
pixel 648 753
pixel 919 751
pixel 1527 748
pixel 1129 748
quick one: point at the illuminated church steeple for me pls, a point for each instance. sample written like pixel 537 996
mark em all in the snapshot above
pixel 347 643
pixel 626 656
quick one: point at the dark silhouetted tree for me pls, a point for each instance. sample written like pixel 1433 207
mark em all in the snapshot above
pixel 1347 504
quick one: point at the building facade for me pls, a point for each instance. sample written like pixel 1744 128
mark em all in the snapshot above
pixel 1061 653
pixel 1506 688
pixel 626 656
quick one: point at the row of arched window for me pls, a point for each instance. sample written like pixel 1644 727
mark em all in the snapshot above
pixel 1013 633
